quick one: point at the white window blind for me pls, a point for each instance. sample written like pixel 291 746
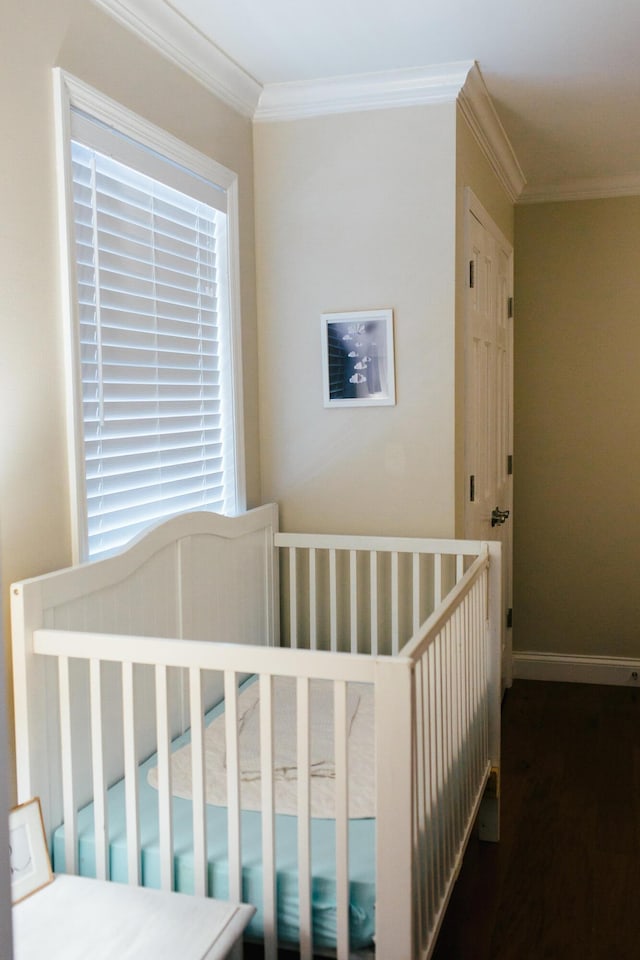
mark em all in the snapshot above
pixel 153 343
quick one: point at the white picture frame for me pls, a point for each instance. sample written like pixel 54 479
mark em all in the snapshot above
pixel 358 364
pixel 28 853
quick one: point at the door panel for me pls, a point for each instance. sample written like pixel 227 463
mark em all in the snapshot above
pixel 489 394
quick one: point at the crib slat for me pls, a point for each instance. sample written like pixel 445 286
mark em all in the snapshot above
pixel 68 788
pixel 97 764
pixel 293 599
pixel 456 810
pixel 475 682
pixel 333 600
pixel 467 634
pixel 440 774
pixel 469 717
pixel 481 684
pixel 342 814
pixel 233 784
pixel 304 823
pixel 416 592
pixel 431 860
pixel 130 776
pixel 442 766
pixel 165 822
pixel 432 655
pixel 373 590
pixel 196 716
pixel 451 811
pixel 475 759
pixel 353 582
pixel 437 579
pixel 313 606
pixel 268 831
pixel 467 629
pixel 479 688
pixel 395 605
pixel 448 753
pixel 484 665
pixel 457 723
pixel 446 746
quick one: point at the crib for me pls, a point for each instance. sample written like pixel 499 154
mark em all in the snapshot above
pixel 187 712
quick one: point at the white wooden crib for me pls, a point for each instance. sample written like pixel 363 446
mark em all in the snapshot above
pixel 119 663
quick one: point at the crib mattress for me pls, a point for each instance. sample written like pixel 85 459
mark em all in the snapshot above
pixel 361 860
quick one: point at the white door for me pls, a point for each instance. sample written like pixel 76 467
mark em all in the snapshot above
pixel 489 396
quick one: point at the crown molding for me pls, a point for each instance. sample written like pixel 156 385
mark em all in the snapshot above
pixel 367 91
pixel 159 24
pixel 172 35
pixel 478 110
pixel 583 188
pixel 444 83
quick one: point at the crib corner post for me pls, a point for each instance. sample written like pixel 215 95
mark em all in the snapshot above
pixel 394 725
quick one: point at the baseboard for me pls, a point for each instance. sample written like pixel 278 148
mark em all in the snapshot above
pixel 576 669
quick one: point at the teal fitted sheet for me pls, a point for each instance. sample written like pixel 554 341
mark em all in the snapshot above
pixel 324 914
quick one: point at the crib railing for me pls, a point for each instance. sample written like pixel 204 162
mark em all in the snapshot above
pixel 456 744
pixel 232 661
pixel 436 722
pixel 363 594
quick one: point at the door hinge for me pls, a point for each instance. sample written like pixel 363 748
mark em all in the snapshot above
pixel 510 308
pixel 509 618
pixel 472 273
pixel 510 465
pixel 472 488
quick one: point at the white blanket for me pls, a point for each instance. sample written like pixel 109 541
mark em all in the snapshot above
pixel 285 771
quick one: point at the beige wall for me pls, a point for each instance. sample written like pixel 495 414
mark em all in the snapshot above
pixel 473 170
pixel 358 212
pixel 577 424
pixel 37 35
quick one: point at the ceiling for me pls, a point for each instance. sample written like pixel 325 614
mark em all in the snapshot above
pixel 563 75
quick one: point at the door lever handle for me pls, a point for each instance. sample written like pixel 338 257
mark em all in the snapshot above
pixel 498 516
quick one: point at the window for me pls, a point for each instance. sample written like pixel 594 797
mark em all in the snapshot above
pixel 152 350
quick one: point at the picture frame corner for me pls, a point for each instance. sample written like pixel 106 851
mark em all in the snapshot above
pixel 29 858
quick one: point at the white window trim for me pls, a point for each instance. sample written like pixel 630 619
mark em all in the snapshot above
pixel 69 92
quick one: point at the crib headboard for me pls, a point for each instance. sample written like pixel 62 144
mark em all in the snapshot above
pixel 197 576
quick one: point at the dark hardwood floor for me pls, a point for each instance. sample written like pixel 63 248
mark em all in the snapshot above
pixel 564 881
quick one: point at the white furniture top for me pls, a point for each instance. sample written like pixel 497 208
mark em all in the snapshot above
pixel 74 918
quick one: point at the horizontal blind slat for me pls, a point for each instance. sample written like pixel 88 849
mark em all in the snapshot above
pixel 121 506
pixel 151 509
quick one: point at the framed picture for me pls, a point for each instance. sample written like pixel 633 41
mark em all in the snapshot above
pixel 28 854
pixel 357 358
